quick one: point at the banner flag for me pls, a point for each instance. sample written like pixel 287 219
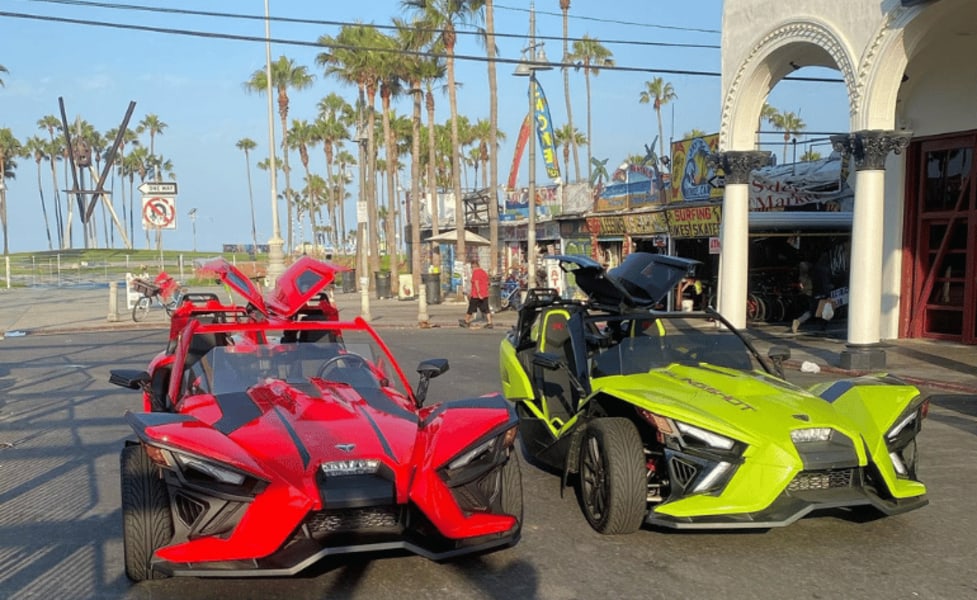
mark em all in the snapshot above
pixel 517 155
pixel 544 130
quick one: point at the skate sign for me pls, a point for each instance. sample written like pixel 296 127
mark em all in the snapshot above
pixel 158 212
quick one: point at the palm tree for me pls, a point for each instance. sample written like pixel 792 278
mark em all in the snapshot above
pixel 767 113
pixel 348 59
pixel 332 127
pixel 658 92
pixel 810 156
pixel 247 145
pixel 154 126
pixel 37 148
pixel 301 136
pixel 592 57
pixel 344 161
pixel 392 71
pixel 791 124
pixel 9 148
pixel 285 75
pixel 444 16
pixel 128 137
pixel 568 137
pixel 493 141
pixel 436 72
pixel 51 123
pixel 695 132
pixel 565 9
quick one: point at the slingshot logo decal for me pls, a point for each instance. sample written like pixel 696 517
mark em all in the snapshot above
pixel 347 448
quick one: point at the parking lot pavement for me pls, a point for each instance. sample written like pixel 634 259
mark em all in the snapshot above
pixel 934 364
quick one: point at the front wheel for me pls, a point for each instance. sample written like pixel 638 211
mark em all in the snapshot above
pixel 512 488
pixel 613 480
pixel 141 308
pixel 147 523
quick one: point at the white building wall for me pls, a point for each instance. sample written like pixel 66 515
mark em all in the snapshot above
pixel 872 43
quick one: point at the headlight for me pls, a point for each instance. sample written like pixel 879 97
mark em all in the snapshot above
pixel 713 440
pixel 477 460
pixel 812 434
pixel 209 469
pixel 900 439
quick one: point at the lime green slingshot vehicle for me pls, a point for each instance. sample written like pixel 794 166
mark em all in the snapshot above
pixel 674 420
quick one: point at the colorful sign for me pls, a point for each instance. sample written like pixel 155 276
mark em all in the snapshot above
pixel 693 179
pixel 695 221
pixel 635 186
pixel 544 130
pixel 547 202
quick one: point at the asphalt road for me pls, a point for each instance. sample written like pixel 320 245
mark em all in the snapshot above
pixel 60 523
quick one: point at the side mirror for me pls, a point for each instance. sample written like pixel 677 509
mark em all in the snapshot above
pixel 428 369
pixel 778 354
pixel 134 379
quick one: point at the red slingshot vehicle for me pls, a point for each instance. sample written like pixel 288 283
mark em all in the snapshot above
pixel 273 434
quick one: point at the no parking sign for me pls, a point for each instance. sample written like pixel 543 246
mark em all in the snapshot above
pixel 159 212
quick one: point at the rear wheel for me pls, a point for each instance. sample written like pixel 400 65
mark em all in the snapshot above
pixel 141 308
pixel 613 480
pixel 147 523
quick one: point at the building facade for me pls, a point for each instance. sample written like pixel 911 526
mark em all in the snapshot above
pixel 911 83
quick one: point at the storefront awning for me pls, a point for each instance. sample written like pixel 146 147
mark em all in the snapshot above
pixel 800 221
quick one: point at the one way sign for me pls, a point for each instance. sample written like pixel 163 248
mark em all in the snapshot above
pixel 158 188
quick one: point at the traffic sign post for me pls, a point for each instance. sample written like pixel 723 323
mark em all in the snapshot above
pixel 158 188
pixel 159 212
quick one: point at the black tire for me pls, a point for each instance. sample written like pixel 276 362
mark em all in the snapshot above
pixel 141 308
pixel 512 487
pixel 147 523
pixel 613 476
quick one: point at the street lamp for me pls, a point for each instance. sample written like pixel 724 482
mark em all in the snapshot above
pixel 276 257
pixel 193 221
pixel 536 61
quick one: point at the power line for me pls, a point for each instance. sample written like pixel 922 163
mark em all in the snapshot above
pixel 294 20
pixel 612 21
pixel 303 43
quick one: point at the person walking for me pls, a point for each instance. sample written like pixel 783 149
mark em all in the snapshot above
pixel 478 298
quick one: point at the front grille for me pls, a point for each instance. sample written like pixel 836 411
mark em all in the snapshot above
pixel 187 509
pixel 821 480
pixel 683 472
pixel 325 522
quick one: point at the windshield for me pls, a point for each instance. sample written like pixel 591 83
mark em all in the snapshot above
pixel 241 364
pixel 639 343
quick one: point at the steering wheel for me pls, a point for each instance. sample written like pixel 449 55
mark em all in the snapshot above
pixel 348 360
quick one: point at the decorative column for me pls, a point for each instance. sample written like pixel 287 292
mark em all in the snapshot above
pixel 869 148
pixel 734 231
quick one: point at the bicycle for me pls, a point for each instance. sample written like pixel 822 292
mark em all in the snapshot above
pixel 511 294
pixel 163 289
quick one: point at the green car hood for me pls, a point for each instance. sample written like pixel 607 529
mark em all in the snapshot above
pixel 747 406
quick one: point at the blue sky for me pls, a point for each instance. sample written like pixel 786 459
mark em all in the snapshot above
pixel 194 84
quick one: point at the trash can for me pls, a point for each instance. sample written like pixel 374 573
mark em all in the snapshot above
pixel 495 293
pixel 382 279
pixel 432 287
pixel 349 281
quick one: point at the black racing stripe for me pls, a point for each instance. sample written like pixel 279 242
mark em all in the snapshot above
pixel 380 436
pixel 494 401
pixel 237 410
pixel 303 451
pixel 837 390
pixel 379 400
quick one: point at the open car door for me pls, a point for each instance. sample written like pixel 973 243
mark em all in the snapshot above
pixel 233 278
pixel 300 282
pixel 642 280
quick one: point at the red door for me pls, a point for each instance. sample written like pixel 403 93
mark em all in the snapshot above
pixel 940 270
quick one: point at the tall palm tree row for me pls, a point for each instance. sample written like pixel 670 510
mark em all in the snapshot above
pixel 592 56
pixel 444 16
pixel 9 148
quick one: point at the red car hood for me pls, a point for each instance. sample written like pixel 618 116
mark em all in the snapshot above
pixel 287 431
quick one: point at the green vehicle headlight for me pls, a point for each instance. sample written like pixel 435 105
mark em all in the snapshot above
pixel 713 440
